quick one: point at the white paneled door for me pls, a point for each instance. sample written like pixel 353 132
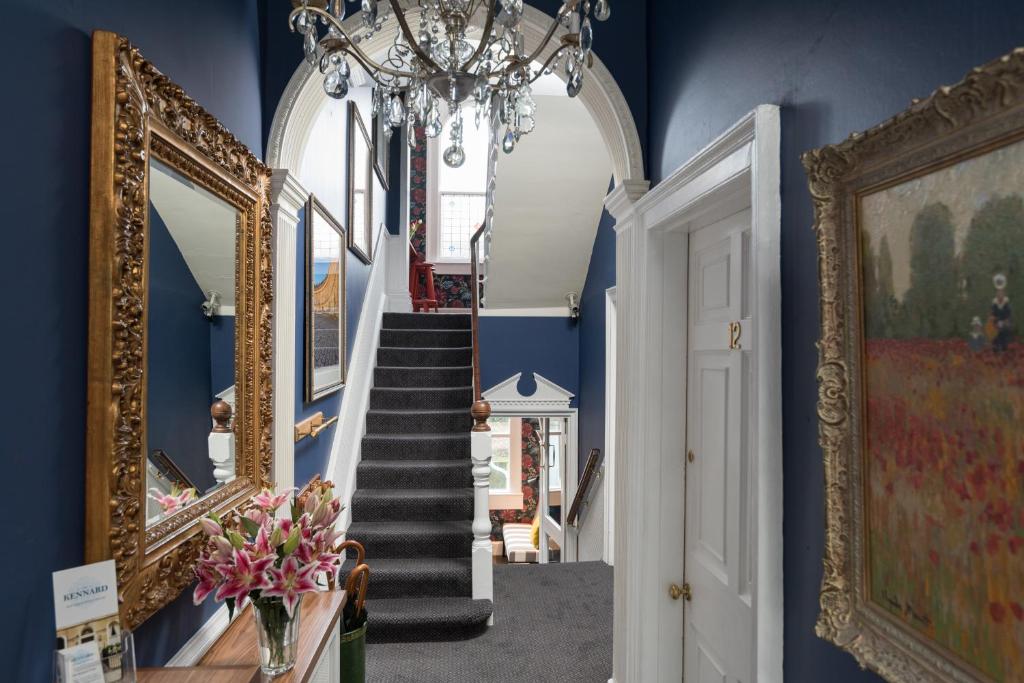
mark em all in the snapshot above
pixel 719 618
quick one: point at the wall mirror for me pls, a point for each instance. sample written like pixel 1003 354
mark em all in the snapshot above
pixel 360 186
pixel 179 327
pixel 325 302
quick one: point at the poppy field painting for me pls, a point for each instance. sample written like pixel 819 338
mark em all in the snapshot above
pixel 942 270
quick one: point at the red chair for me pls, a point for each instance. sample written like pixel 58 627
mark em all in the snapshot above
pixel 421 282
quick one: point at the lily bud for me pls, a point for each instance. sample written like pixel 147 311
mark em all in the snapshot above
pixel 211 527
pixel 236 539
pixel 276 536
pixel 293 541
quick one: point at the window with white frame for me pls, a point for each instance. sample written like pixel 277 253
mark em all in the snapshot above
pixel 555 450
pixel 456 197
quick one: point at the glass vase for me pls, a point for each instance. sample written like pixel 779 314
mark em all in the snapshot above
pixel 277 633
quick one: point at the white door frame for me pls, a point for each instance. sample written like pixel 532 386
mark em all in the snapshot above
pixel 610 314
pixel 740 168
pixel 549 400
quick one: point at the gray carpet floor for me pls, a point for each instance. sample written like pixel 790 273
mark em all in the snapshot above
pixel 552 623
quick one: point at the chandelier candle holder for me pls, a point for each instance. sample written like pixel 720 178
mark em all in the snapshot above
pixel 441 63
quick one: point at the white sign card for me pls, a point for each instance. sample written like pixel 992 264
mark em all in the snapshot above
pixel 85 611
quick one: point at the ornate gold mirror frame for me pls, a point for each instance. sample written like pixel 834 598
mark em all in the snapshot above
pixel 983 112
pixel 139 114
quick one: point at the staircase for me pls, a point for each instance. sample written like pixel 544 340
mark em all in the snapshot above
pixel 413 504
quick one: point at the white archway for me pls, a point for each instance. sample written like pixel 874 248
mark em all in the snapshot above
pixel 601 95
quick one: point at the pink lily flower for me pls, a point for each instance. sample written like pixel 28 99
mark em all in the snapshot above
pixel 262 545
pixel 173 501
pixel 270 502
pixel 243 575
pixel 223 550
pixel 290 582
pixel 209 579
pixel 211 527
pixel 257 515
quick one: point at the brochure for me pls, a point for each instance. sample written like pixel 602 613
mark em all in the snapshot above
pixel 85 607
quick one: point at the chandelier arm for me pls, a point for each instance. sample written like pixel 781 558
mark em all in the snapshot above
pixel 413 44
pixel 483 39
pixel 546 64
pixel 547 37
pixel 367 62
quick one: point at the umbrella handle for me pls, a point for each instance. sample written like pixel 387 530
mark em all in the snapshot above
pixel 362 574
pixel 341 547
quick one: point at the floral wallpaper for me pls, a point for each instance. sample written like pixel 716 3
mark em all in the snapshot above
pixel 453 291
pixel 531 461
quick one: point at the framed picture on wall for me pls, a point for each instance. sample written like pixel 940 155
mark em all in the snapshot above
pixel 920 226
pixel 360 186
pixel 382 150
pixel 325 308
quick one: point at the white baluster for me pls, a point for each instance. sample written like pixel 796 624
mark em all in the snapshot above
pixel 480 441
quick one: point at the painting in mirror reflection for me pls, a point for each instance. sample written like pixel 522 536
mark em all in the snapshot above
pixel 190 337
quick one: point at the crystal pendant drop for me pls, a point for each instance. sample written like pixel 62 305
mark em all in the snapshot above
pixel 575 83
pixel 587 36
pixel 454 156
pixel 411 132
pixel 511 11
pixel 309 46
pixel 302 22
pixel 509 143
pixel 369 13
pixel 433 125
pixel 396 112
pixel 603 10
pixel 336 84
pixel 375 102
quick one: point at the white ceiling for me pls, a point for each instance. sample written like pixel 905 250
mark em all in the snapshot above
pixel 202 226
pixel 548 201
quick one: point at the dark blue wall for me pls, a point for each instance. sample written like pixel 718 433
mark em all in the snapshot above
pixel 210 48
pixel 835 67
pixel 222 352
pixel 547 346
pixel 178 384
pixel 600 276
pixel 312 455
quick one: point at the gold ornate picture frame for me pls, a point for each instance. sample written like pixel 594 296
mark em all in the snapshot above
pixel 903 636
pixel 138 114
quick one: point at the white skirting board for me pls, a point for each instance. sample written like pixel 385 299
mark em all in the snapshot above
pixel 202 640
pixel 348 435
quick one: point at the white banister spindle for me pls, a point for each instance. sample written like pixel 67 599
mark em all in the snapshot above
pixel 483 583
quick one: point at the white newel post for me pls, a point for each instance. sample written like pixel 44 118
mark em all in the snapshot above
pixel 222 443
pixel 480 442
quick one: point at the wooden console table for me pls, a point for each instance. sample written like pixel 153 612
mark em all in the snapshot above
pixel 234 659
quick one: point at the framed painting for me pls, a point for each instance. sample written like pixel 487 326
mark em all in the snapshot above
pixel 382 150
pixel 360 186
pixel 325 302
pixel 920 229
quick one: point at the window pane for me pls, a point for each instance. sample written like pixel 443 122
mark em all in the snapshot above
pixel 498 425
pixel 499 479
pixel 461 215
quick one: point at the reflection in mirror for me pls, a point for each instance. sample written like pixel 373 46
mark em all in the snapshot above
pixel 325 302
pixel 190 338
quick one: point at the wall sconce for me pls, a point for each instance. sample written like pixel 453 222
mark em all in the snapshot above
pixel 211 305
pixel 574 305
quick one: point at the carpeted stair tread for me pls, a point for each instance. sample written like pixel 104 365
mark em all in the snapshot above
pixel 424 357
pixel 419 338
pixel 426 321
pixel 407 474
pixel 418 577
pixel 421 619
pixel 429 377
pixel 423 398
pixel 383 505
pixel 454 446
pixel 418 421
pixel 413 539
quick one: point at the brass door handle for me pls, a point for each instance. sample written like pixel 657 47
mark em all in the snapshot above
pixel 735 332
pixel 676 591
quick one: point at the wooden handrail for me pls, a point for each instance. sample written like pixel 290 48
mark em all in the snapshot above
pixel 585 483
pixel 481 409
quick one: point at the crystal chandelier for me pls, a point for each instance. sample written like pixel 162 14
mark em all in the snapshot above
pixel 441 62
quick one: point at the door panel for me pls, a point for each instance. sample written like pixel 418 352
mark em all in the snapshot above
pixel 719 620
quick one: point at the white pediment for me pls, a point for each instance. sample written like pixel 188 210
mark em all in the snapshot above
pixel 505 396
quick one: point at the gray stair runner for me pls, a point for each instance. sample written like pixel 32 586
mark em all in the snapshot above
pixel 413 505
